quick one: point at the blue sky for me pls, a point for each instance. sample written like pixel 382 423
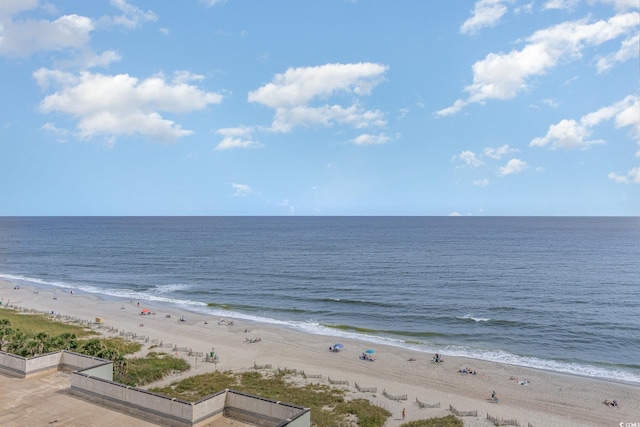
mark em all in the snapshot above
pixel 326 107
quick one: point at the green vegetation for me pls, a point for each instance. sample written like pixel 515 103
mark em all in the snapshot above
pixel 329 408
pixel 30 335
pixel 149 369
pixel 38 323
pixel 448 421
pixel 27 335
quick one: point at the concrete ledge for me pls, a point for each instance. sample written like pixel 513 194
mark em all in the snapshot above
pixel 93 379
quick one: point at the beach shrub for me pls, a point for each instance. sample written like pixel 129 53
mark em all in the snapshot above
pixel 146 370
pixel 328 405
pixel 32 324
pixel 198 386
pixel 368 415
pixel 448 421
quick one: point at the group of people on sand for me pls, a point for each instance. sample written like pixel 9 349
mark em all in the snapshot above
pixel 523 381
pixel 467 371
pixel 438 358
pixel 253 340
pixel 612 403
pixel 368 357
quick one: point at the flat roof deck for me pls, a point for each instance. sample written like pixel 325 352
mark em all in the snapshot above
pixel 47 400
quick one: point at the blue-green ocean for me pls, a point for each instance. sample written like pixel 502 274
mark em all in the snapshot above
pixel 557 293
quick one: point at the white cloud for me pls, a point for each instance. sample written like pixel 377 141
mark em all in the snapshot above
pixel 132 16
pixel 211 3
pixel 572 4
pixel 486 13
pixel 290 94
pixel 62 135
pixel 572 134
pixel 285 203
pixel 498 153
pixel 513 166
pixel 22 38
pixel 239 137
pixel 561 4
pixel 481 182
pixel 525 8
pixel 368 139
pixel 621 4
pixel 469 158
pixel 628 50
pixel 633 176
pixel 112 105
pixel 9 8
pixel 241 189
pixel 566 134
pixel 298 86
pixel 505 75
pixel 286 119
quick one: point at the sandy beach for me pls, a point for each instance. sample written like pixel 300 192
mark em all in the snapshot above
pixel 547 399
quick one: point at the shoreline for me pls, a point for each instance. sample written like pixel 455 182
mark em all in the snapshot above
pixel 550 398
pixel 197 308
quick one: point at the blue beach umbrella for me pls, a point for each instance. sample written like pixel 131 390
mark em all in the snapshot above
pixel 338 346
pixel 369 351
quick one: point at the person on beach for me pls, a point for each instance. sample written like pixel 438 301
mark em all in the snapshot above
pixel 403 413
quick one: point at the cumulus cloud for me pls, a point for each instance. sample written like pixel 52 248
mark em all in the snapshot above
pixel 513 166
pixel 113 105
pixel 505 75
pixel 485 160
pixel 486 13
pixel 469 158
pixel 498 153
pixel 9 8
pixel 628 50
pixel 132 16
pixel 622 4
pixel 241 190
pixel 570 133
pixel 22 38
pixel 291 94
pixel 633 176
pixel 561 4
pixel 238 137
pixel 368 139
pixel 67 33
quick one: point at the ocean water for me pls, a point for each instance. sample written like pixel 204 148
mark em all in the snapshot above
pixel 558 293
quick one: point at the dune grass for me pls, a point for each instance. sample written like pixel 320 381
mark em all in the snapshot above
pixel 328 405
pixel 38 323
pixel 448 421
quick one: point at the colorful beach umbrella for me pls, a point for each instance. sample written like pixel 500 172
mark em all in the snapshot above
pixel 369 351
